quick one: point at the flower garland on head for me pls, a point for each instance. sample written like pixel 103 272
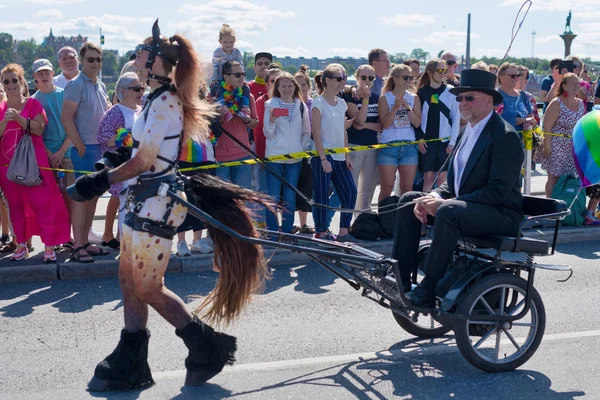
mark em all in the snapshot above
pixel 233 97
pixel 124 138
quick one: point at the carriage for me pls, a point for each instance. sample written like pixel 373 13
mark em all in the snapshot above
pixel 487 299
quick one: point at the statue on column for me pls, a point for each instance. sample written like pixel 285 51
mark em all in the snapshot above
pixel 568 24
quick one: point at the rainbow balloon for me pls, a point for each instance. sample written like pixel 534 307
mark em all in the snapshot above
pixel 586 148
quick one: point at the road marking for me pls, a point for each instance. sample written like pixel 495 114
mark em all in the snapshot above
pixel 434 348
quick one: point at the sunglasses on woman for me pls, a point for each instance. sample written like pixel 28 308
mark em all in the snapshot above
pixel 365 77
pixel 513 76
pixel 92 59
pixel 237 74
pixel 137 89
pixel 450 62
pixel 405 77
pixel 14 80
pixel 338 78
pixel 468 99
pixel 441 71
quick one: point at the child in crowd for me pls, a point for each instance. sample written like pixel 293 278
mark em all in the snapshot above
pixel 226 52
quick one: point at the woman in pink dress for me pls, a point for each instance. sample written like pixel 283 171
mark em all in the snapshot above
pixel 36 210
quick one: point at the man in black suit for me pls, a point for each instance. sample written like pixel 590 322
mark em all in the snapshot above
pixel 482 193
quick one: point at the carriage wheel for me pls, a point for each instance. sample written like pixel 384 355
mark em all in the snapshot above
pixel 499 346
pixel 421 325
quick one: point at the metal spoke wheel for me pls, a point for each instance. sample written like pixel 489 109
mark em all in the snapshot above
pixel 499 346
pixel 421 325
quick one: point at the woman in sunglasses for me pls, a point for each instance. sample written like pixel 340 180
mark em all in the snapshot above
pixel 328 128
pixel 237 123
pixel 50 221
pixel 363 108
pixel 440 119
pixel 115 131
pixel 516 108
pixel 400 114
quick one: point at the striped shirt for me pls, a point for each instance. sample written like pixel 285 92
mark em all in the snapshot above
pixel 290 107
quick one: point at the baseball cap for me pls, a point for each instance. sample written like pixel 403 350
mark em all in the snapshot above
pixel 41 65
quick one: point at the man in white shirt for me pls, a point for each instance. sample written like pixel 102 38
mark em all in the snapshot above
pixel 481 195
pixel 68 61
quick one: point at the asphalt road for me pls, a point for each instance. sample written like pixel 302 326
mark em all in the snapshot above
pixel 308 336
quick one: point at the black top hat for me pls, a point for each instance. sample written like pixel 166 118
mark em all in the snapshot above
pixel 476 80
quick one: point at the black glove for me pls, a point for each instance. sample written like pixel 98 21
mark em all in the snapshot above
pixel 89 186
pixel 114 158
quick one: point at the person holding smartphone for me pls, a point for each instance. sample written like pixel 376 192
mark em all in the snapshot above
pixel 287 129
pixel 328 124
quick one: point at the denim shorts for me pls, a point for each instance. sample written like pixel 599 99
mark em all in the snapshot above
pixel 399 155
pixel 85 163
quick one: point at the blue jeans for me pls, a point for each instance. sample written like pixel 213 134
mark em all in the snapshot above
pixel 240 175
pixel 334 201
pixel 291 172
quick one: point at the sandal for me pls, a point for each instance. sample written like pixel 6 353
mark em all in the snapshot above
pixel 99 251
pixel 82 258
pixel 9 248
pixel 112 243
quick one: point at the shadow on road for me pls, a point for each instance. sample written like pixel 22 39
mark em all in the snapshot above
pixel 420 374
pixel 587 250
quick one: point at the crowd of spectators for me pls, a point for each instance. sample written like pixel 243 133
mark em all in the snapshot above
pixel 72 122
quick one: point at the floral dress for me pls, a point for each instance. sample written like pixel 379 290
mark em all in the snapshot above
pixel 560 162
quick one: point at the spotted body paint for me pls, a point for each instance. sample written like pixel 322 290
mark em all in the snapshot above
pixel 144 257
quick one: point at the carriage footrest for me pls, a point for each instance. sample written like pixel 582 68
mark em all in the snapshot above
pixel 386 285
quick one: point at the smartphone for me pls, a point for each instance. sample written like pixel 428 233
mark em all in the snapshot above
pixel 566 64
pixel 280 112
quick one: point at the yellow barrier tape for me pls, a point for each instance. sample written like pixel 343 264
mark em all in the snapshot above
pixel 312 153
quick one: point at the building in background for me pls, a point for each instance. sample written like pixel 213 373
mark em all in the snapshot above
pixel 58 42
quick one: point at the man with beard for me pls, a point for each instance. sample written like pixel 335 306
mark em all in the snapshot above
pixel 481 196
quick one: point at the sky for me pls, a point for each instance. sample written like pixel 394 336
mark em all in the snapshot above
pixel 317 28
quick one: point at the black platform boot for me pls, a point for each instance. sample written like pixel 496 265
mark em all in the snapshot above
pixel 126 367
pixel 210 351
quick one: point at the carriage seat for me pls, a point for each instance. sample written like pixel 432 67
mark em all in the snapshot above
pixel 535 209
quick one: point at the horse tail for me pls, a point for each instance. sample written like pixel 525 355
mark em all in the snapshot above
pixel 242 266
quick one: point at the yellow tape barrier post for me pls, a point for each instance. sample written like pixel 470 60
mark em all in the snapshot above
pixel 528 143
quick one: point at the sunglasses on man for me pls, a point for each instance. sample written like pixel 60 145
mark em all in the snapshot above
pixel 236 74
pixel 450 62
pixel 371 78
pixel 468 99
pixel 92 59
pixel 261 63
pixel 14 80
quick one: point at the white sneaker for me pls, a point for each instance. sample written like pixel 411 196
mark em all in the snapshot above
pixel 182 249
pixel 204 246
pixel 94 237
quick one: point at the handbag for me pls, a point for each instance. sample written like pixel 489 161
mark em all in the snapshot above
pixel 23 168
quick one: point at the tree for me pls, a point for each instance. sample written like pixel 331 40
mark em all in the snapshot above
pixel 6 48
pixel 292 69
pixel 420 55
pixel 250 73
pixel 350 70
pixel 110 65
pixel 46 52
pixel 398 58
pixel 247 58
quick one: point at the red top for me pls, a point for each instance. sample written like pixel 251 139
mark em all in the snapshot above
pixel 260 141
pixel 226 149
pixel 257 90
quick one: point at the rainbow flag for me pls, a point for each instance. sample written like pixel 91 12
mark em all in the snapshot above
pixel 193 152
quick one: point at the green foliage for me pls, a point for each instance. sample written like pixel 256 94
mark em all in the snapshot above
pixel 292 69
pixel 350 70
pixel 420 55
pixel 110 65
pixel 398 58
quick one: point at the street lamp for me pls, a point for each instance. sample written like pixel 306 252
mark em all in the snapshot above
pixel 533 33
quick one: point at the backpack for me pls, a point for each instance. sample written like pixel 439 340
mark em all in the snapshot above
pixel 367 227
pixel 23 168
pixel 567 188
